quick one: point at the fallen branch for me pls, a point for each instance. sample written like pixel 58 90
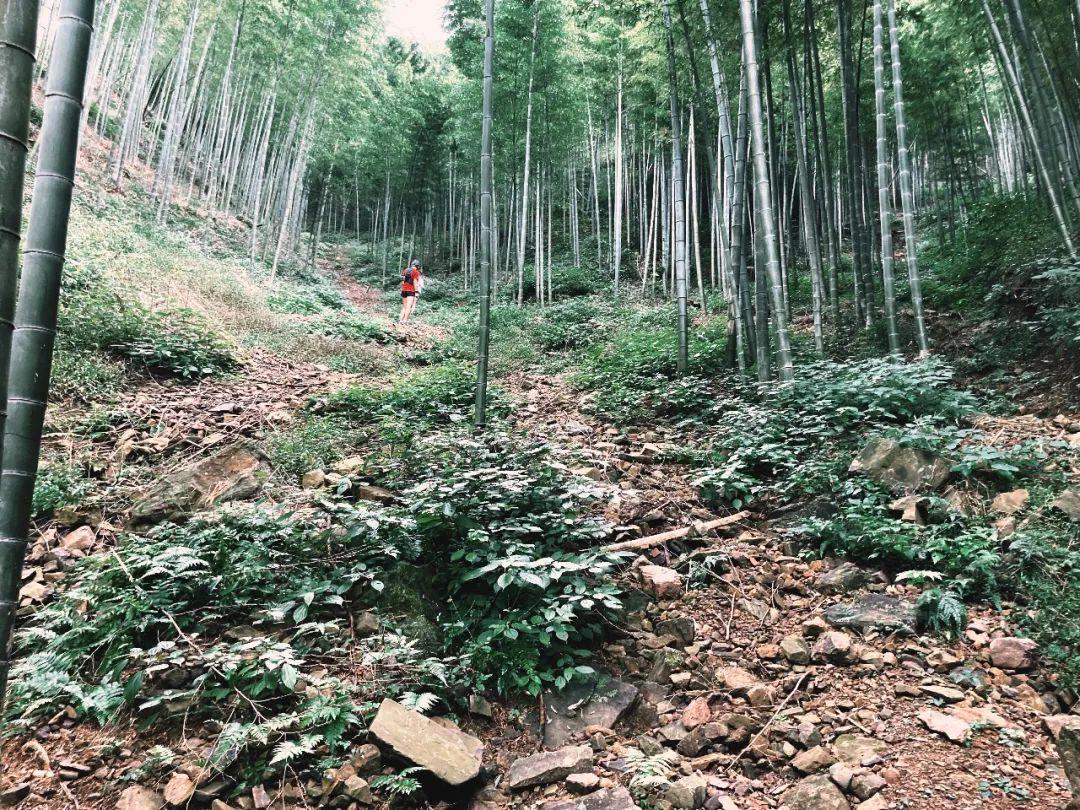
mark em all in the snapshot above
pixel 694 530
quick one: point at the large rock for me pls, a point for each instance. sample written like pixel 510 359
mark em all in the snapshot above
pixel 946 725
pixel 1068 746
pixel 687 793
pixel 1014 653
pixel 138 797
pixel 874 612
pixel 840 578
pixel 661 582
pixel 1008 503
pixel 549 766
pixel 235 473
pixel 1068 502
pixel 854 748
pixel 812 760
pixel 617 798
pixel 901 469
pixel 795 648
pixel 815 793
pixel 597 701
pixel 451 755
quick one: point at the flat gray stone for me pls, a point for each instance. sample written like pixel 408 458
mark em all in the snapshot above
pixel 815 793
pixel 901 469
pixel 618 798
pixel 840 578
pixel 451 755
pixel 874 612
pixel 596 701
pixel 547 767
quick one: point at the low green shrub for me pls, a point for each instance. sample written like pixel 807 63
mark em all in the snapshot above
pixel 315 441
pixel 57 485
pixel 177 343
pixel 354 327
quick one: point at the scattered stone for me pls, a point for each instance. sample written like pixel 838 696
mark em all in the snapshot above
pixel 901 469
pixel 370 492
pixel 908 509
pixel 681 627
pixel 812 628
pixel 582 782
pixel 795 649
pixel 661 582
pixel 833 646
pixel 842 775
pixel 179 789
pixel 805 735
pixel 617 798
pixel 231 475
pixel 358 789
pixel 697 713
pixel 687 793
pixel 978 715
pixel 547 767
pixel 943 693
pixel 13 795
pixel 948 726
pixel 1056 722
pixel 854 748
pixel 760 610
pixel 735 679
pixel 1009 503
pixel 451 755
pixel 596 701
pixel 815 793
pixel 1069 503
pixel 876 802
pixel 813 760
pixel 366 760
pixel 138 797
pixel 865 785
pixel 313 479
pixel 1068 747
pixel 366 623
pixel 700 738
pixel 840 579
pixel 1014 653
pixel 874 611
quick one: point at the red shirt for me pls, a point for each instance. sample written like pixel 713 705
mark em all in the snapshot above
pixel 409 277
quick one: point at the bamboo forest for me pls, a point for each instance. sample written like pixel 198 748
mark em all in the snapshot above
pixel 540 404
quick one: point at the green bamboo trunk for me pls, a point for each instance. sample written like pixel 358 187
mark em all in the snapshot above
pixel 486 193
pixel 39 293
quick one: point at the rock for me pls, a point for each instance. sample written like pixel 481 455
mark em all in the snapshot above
pixel 834 646
pixel 682 628
pixel 595 701
pixel 582 782
pixel 943 693
pixel 179 789
pixel 489 798
pixel 479 705
pixel 760 610
pixel 865 785
pixel 815 793
pixel 313 479
pixel 814 627
pixel 804 735
pixel 701 738
pixel 687 793
pixel 854 748
pixel 138 797
pixel 661 582
pixel 358 789
pixel 1068 747
pixel 218 804
pixel 735 679
pixel 840 579
pixel 1008 503
pixel 370 492
pixel 450 755
pixel 873 611
pixel 908 509
pixel 812 760
pixel 11 796
pixel 1013 653
pixel 947 725
pixel 901 469
pixel 842 775
pixel 977 715
pixel 876 802
pixel 795 649
pixel 547 767
pixel 233 474
pixel 697 712
pixel 1056 722
pixel 617 798
pixel 1068 502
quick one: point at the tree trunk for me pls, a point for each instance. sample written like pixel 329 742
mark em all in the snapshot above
pixel 486 194
pixel 678 202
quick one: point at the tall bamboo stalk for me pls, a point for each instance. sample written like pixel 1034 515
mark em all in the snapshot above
pixel 884 177
pixel 679 200
pixel 39 294
pixel 487 192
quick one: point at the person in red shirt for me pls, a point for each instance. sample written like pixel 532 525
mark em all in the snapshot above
pixel 412 283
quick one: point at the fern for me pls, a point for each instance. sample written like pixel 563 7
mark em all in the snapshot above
pixel 942 610
pixel 422 702
pixel 649 772
pixel 402 783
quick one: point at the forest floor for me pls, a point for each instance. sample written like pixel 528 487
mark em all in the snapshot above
pixel 744 675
